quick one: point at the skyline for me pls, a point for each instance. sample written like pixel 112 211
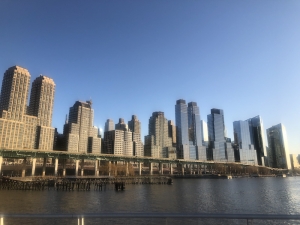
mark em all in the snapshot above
pixel 138 58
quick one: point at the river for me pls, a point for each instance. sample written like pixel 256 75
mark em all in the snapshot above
pixel 243 195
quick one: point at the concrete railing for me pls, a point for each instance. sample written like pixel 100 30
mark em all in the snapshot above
pixel 80 217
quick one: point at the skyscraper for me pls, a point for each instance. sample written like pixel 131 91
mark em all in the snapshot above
pixel 195 133
pixel 41 105
pixel 121 125
pixel 204 132
pixel 81 135
pixel 134 126
pixel 182 129
pixel 278 154
pixel 216 134
pixel 109 125
pixel 257 134
pixel 42 100
pixel 158 140
pixel 242 139
pixel 20 127
pixel 14 93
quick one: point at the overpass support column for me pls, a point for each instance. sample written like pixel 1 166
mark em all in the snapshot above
pixel 191 169
pixel 151 168
pixel 109 168
pixel 160 170
pixel 33 166
pixel 96 167
pixel 24 167
pixel 127 170
pixel 182 169
pixel 44 167
pixel 140 169
pixel 76 167
pixel 82 167
pixel 198 169
pixel 56 167
pixel 1 161
pixel 64 167
pixel 171 169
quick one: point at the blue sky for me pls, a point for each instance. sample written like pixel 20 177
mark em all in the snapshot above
pixel 137 57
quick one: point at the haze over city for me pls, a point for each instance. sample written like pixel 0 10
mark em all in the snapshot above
pixel 137 57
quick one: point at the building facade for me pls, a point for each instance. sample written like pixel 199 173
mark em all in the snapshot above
pixel 80 134
pixel 278 155
pixel 23 127
pixel 182 130
pixel 134 125
pixel 242 139
pixel 158 140
pixel 109 125
pixel 257 134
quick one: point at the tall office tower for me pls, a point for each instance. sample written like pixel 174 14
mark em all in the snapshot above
pixel 118 142
pixel 109 125
pixel 14 93
pixel 172 134
pixel 216 135
pixel 41 106
pixel 17 129
pixel 294 161
pixel 159 143
pixel 134 126
pixel 42 100
pixel 278 154
pixel 182 129
pixel 257 134
pixel 196 148
pixel 121 125
pixel 204 133
pixel 81 135
pixel 242 139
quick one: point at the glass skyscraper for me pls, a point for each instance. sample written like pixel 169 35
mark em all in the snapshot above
pixel 242 138
pixel 257 135
pixel 182 136
pixel 216 134
pixel 189 133
pixel 278 154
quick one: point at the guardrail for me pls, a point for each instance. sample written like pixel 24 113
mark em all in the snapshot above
pixel 80 217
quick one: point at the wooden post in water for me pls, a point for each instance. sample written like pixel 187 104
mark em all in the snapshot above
pixel 33 166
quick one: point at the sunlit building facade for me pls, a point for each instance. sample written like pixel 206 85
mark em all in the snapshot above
pixel 278 154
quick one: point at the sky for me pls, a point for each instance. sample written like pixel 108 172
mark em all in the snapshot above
pixel 138 57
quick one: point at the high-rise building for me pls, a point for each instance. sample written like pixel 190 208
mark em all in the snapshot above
pixel 216 133
pixel 257 134
pixel 278 154
pixel 118 142
pixel 134 126
pixel 242 139
pixel 196 148
pixel 172 134
pixel 23 127
pixel 81 136
pixel 159 143
pixel 109 125
pixel 204 132
pixel 121 125
pixel 182 129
